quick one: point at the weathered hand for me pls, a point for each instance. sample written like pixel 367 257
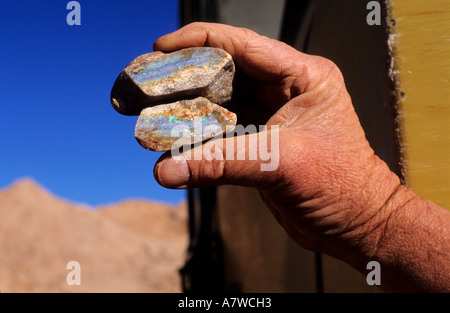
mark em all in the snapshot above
pixel 329 184
pixel 329 191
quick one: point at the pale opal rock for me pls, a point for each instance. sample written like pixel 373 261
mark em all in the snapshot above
pixel 157 77
pixel 177 95
pixel 185 122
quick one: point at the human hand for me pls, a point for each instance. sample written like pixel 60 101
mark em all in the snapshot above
pixel 330 192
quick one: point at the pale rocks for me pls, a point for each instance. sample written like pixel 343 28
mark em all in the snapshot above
pixel 158 77
pixel 185 122
pixel 177 95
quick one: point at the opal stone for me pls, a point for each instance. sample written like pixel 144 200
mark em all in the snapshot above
pixel 154 67
pixel 181 97
pixel 157 77
pixel 184 122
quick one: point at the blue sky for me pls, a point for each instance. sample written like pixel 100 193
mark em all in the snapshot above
pixel 56 123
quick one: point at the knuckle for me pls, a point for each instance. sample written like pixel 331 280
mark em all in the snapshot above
pixel 212 170
pixel 325 78
pixel 248 32
pixel 212 165
pixel 329 70
pixel 196 25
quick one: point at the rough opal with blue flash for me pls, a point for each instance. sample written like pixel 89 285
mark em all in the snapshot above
pixel 181 123
pixel 158 77
pixel 181 96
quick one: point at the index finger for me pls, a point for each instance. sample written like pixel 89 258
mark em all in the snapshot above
pixel 258 56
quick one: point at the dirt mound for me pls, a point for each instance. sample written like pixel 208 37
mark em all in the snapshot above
pixel 132 246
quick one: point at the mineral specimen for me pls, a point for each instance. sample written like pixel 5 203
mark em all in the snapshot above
pixel 185 122
pixel 177 95
pixel 157 77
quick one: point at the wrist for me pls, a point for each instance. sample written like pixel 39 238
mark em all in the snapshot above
pixel 389 219
pixel 410 238
pixel 414 246
pixel 379 206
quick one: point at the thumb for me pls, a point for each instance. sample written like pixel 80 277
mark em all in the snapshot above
pixel 248 160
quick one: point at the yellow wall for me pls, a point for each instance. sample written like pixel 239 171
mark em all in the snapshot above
pixel 422 56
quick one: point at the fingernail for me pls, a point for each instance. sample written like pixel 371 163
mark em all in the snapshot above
pixel 172 173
